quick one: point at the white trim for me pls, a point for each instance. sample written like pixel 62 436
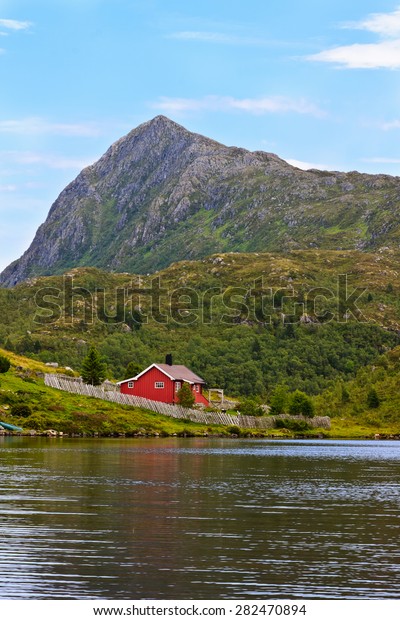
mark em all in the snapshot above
pixel 140 374
pixel 159 385
pixel 131 384
pixel 161 370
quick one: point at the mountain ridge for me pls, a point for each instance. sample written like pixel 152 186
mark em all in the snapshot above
pixel 162 193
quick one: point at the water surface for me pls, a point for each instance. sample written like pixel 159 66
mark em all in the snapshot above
pixel 202 519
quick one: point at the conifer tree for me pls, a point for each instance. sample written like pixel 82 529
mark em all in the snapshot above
pixel 93 369
pixel 373 400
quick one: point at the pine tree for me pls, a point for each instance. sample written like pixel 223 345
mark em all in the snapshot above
pixel 93 368
pixel 373 400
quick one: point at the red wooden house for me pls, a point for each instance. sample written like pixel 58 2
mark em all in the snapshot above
pixel 162 382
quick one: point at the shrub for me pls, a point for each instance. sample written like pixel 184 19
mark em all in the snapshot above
pixel 4 364
pixel 301 404
pixel 185 396
pixel 233 430
pixel 21 410
pixel 251 407
pixel 292 425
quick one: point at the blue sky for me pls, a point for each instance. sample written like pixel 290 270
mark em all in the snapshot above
pixel 316 82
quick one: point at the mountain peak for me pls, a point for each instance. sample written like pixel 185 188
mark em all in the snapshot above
pixel 160 124
pixel 162 194
pixel 162 120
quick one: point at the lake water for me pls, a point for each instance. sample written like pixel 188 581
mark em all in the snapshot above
pixel 199 519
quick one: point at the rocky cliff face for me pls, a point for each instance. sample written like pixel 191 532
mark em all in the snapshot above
pixel 162 194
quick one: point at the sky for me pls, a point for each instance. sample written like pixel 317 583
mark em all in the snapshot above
pixel 316 82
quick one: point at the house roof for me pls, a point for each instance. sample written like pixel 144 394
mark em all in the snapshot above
pixel 180 373
pixel 176 372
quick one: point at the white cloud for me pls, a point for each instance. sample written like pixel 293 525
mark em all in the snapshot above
pixel 390 125
pixel 13 24
pixel 261 105
pixel 207 37
pixel 216 37
pixel 8 188
pixel 381 160
pixel 305 165
pixel 384 54
pixel 47 160
pixel 33 126
pixel 384 24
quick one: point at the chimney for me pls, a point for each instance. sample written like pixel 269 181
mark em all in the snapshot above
pixel 168 359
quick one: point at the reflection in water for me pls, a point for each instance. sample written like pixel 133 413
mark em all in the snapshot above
pixel 202 519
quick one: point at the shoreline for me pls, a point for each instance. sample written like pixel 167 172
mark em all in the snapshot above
pixel 151 435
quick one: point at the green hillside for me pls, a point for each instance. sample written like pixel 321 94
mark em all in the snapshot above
pixel 25 401
pixel 369 402
pixel 209 315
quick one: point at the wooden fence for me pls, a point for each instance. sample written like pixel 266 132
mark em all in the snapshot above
pixel 109 391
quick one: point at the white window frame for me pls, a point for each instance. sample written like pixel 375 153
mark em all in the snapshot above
pixel 159 385
pixel 197 387
pixel 130 384
pixel 178 386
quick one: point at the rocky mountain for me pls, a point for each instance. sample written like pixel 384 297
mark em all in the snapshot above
pixel 163 194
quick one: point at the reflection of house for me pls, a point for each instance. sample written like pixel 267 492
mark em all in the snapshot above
pixel 162 382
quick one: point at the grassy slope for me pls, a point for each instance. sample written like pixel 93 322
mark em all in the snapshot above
pixel 301 269
pixel 71 413
pixel 75 414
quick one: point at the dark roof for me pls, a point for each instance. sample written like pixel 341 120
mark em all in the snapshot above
pixel 180 373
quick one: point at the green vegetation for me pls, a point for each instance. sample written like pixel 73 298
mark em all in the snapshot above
pixel 298 426
pixel 301 404
pixel 93 369
pixel 185 396
pixel 251 407
pixel 279 400
pixel 371 402
pixel 342 367
pixel 4 364
pixel 132 370
pixel 20 410
pixel 25 401
pixel 225 341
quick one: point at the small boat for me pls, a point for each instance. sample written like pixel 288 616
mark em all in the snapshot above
pixel 10 427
